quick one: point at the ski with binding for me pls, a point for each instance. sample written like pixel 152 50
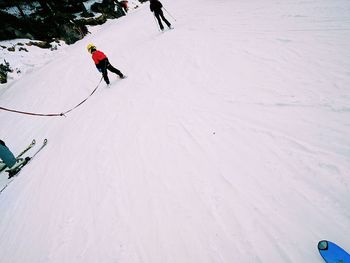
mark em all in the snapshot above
pixel 18 158
pixel 14 171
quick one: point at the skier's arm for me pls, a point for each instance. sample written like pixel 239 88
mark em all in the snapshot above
pixel 98 66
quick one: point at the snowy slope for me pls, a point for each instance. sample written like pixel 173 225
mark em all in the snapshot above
pixel 229 141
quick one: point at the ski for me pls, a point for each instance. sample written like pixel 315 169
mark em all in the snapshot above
pixel 15 170
pixel 26 149
pixel 168 29
pixel 18 158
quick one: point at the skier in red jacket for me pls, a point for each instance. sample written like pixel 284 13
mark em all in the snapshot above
pixel 102 63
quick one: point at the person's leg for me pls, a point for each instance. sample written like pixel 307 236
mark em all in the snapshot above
pixel 105 75
pixel 159 21
pixel 7 156
pixel 103 66
pixel 114 70
pixel 164 19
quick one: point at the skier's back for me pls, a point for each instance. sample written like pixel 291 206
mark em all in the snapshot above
pixel 155 5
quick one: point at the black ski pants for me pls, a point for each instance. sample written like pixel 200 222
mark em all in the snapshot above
pixel 104 65
pixel 159 14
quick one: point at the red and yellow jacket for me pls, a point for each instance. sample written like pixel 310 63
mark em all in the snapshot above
pixel 98 56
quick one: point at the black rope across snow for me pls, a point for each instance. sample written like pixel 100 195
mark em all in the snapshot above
pixel 53 114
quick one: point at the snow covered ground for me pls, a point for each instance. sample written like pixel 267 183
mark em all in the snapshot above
pixel 25 57
pixel 229 141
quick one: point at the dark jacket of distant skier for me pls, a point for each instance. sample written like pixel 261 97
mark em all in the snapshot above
pixel 156 8
pixel 102 63
pixel 6 155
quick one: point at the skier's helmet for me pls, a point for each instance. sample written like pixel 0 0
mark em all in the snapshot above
pixel 91 47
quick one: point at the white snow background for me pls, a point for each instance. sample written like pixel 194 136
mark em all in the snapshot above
pixel 229 141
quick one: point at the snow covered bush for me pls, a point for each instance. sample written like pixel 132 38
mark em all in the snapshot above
pixel 4 69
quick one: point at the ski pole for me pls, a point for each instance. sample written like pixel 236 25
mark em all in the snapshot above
pixel 169 13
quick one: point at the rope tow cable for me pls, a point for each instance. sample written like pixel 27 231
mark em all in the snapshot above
pixel 53 114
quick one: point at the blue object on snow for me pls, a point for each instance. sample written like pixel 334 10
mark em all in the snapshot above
pixel 6 156
pixel 332 253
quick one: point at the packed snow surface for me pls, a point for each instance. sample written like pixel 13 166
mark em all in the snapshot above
pixel 229 141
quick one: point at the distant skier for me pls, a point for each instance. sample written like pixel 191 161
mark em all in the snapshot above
pixel 6 155
pixel 102 63
pixel 124 5
pixel 156 8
